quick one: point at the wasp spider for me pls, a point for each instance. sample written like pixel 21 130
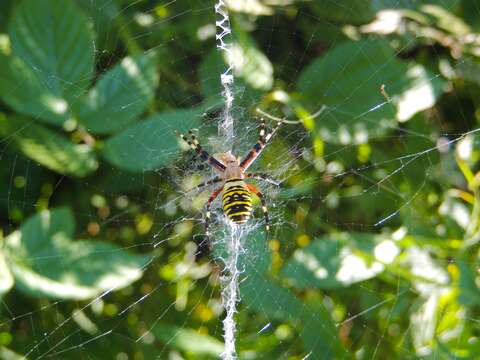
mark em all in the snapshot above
pixel 236 193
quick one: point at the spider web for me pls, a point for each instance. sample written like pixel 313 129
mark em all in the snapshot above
pixel 354 244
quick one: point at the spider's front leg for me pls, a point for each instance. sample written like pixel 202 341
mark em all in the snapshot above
pixel 259 145
pixel 205 156
pixel 215 180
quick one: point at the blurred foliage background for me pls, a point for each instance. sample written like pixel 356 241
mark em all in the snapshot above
pixel 374 249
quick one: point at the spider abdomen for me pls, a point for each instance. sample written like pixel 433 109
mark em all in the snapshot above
pixel 237 201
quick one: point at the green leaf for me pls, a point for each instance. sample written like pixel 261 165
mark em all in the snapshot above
pixel 23 90
pixel 48 147
pixel 356 12
pixel 188 340
pixel 469 292
pixel 339 261
pixel 251 69
pixel 103 14
pixel 45 261
pixel 120 95
pixel 54 38
pixel 151 143
pixel 351 91
pixel 7 354
pixel 6 278
pixel 318 331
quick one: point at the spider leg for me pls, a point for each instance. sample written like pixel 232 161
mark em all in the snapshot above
pixel 215 180
pixel 207 213
pixel 259 145
pixel 264 208
pixel 205 156
pixel 264 177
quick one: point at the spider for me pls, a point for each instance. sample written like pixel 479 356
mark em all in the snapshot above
pixel 237 194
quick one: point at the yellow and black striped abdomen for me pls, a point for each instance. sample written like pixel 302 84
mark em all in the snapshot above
pixel 237 201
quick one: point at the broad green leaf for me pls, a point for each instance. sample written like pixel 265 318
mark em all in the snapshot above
pixel 6 278
pixel 120 95
pixel 188 340
pixel 54 38
pixel 25 91
pixel 49 148
pixel 151 143
pixel 45 261
pixel 469 291
pixel 318 331
pixel 348 81
pixel 339 261
pixel 103 14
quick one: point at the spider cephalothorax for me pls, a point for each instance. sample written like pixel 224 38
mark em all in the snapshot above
pixel 237 194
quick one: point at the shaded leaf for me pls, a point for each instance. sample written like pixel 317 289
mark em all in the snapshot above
pixel 151 143
pixel 45 261
pixel 339 261
pixel 120 95
pixel 49 148
pixel 23 90
pixel 356 108
pixel 318 331
pixel 188 340
pixel 54 38
pixel 102 13
pixel 356 12
pixel 469 292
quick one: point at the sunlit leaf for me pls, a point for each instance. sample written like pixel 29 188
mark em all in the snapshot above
pixel 120 95
pixel 339 261
pixel 251 68
pixel 45 261
pixel 7 354
pixel 6 278
pixel 251 7
pixel 356 108
pixel 49 148
pixel 188 340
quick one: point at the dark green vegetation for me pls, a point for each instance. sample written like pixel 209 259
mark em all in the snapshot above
pixel 374 249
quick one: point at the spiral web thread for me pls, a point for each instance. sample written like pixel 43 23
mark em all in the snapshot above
pixel 231 272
